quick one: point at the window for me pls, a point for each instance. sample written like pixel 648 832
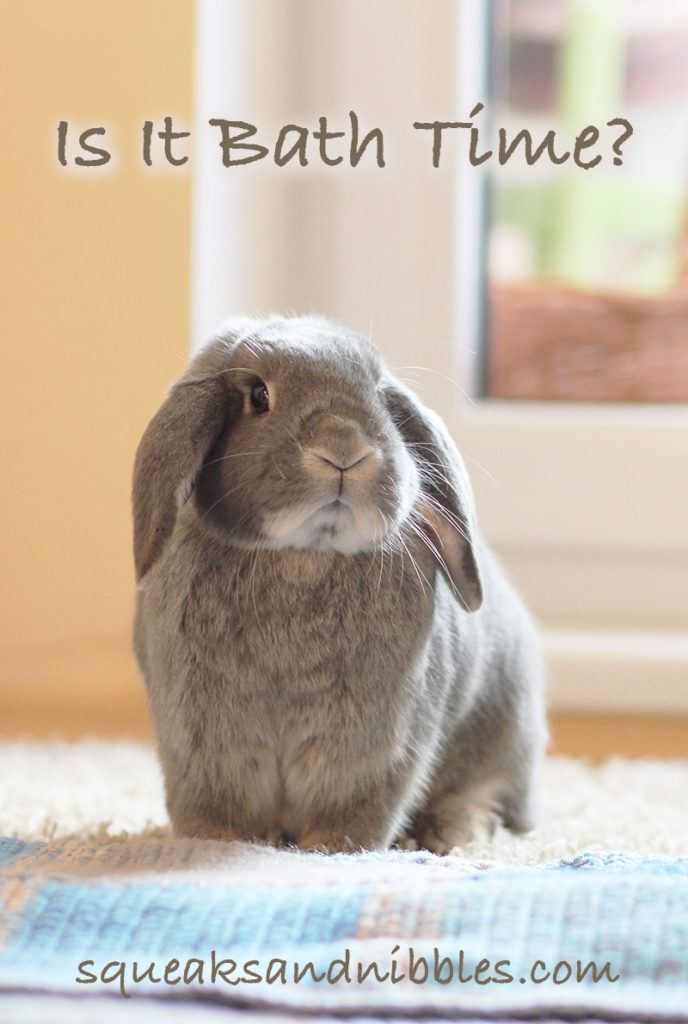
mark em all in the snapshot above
pixel 588 268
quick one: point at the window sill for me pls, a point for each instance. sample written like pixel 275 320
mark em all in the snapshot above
pixel 612 671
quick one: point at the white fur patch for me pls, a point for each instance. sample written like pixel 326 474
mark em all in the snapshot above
pixel 335 526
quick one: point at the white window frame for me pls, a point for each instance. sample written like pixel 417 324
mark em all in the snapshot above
pixel 593 511
pixel 586 504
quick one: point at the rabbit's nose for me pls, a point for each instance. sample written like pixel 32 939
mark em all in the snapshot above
pixel 341 462
pixel 337 445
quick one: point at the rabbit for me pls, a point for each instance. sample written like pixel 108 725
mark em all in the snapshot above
pixel 333 657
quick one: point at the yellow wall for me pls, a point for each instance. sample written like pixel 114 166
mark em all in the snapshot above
pixel 95 315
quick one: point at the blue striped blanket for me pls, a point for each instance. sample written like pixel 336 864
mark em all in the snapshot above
pixel 390 935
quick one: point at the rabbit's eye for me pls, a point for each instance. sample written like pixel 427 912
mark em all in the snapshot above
pixel 260 400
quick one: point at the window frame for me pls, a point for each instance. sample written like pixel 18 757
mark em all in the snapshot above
pixel 594 491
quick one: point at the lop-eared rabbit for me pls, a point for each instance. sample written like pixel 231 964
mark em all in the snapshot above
pixel 333 657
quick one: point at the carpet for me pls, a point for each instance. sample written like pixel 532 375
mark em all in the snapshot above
pixel 103 916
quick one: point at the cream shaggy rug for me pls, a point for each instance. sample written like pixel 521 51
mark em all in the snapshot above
pixel 92 885
pixel 97 789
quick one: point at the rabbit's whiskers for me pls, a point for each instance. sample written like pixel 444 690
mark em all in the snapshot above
pixel 254 573
pixel 422 578
pixel 445 514
pixel 234 455
pixel 439 373
pixel 294 439
pixel 385 524
pixel 227 494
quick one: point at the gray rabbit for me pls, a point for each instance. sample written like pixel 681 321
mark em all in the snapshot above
pixel 333 657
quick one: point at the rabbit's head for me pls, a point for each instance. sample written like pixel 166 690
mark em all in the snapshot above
pixel 293 434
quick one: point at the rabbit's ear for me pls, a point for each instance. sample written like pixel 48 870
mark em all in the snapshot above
pixel 169 458
pixel 446 503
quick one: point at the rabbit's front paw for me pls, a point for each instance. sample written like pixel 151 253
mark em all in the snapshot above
pixel 454 820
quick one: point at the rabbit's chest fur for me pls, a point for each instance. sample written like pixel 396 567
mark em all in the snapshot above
pixel 294 679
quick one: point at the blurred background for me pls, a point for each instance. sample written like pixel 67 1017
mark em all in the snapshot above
pixel 604 253
pixel 541 310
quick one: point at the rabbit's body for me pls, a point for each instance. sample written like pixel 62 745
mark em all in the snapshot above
pixel 334 698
